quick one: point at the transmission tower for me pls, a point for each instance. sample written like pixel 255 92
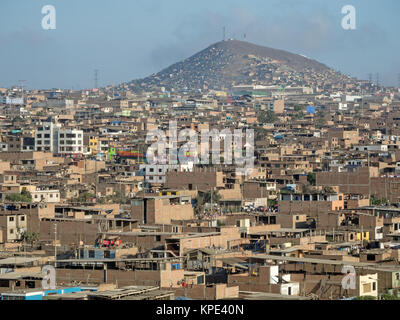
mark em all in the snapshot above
pixel 96 78
pixel 22 87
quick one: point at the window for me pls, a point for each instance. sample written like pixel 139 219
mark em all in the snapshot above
pixel 22 218
pixel 11 219
pixel 397 276
pixel 366 287
pixel 374 286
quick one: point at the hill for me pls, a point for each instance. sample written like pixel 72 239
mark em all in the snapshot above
pixel 232 62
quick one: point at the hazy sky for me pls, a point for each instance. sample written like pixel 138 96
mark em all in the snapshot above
pixel 129 39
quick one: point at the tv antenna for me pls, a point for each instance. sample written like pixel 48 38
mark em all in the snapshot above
pixel 223 34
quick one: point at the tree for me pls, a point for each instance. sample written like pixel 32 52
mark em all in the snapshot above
pixel 378 202
pixel 220 223
pixel 320 120
pixel 29 237
pixel 389 297
pixel 24 196
pixel 312 178
pixel 215 196
pixel 365 298
pixel 204 198
pixel 267 117
pixel 84 197
pixel 199 204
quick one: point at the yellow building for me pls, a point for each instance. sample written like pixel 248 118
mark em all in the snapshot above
pixel 94 144
pixel 364 237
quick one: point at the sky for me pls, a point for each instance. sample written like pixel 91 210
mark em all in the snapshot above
pixel 129 39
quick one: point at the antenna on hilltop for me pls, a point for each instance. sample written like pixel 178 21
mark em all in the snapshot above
pixel 223 34
pixel 377 79
pixel 96 78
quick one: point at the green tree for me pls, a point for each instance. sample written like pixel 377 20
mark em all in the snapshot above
pixel 199 204
pixel 203 198
pixel 365 298
pixel 216 197
pixel 29 237
pixel 267 117
pixel 378 202
pixel 312 178
pixel 389 297
pixel 84 197
pixel 24 196
pixel 220 223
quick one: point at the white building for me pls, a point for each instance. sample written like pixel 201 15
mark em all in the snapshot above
pixel 70 142
pixel 52 196
pixel 156 173
pixel 46 137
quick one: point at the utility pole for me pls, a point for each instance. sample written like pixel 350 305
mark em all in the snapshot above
pixel 55 245
pixel 362 237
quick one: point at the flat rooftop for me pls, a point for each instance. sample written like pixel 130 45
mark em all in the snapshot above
pixel 250 295
pixel 371 266
pixel 17 261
